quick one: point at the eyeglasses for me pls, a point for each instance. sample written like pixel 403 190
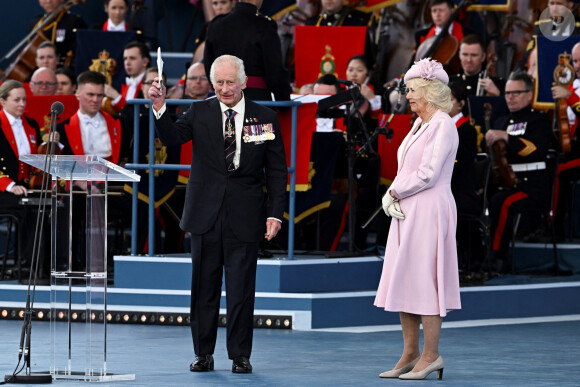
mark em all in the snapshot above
pixel 44 84
pixel 201 78
pixel 148 82
pixel 516 92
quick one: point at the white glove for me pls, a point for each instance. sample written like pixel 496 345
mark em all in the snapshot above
pixel 387 201
pixel 394 210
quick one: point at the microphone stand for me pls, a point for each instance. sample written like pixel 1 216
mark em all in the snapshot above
pixel 389 134
pixel 24 351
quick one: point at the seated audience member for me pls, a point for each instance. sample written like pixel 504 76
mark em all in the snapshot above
pixel 60 30
pixel 19 136
pixel 306 89
pixel 116 11
pixel 43 82
pixel 136 59
pixel 197 85
pixel 91 131
pixel 528 134
pixel 441 11
pixel 358 72
pixel 569 164
pixel 473 75
pixel 67 81
pixel 334 13
pixel 46 56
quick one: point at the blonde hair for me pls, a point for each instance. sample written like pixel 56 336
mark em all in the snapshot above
pixel 8 86
pixel 434 91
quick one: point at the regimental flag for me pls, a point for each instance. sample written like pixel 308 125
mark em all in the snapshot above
pixel 324 152
pixel 165 180
pixel 401 125
pixel 105 48
pixel 38 107
pixel 305 126
pixel 325 50
pixel 550 69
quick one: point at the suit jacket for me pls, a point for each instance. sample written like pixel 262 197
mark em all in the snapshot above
pixel 11 168
pixel 210 187
pixel 71 137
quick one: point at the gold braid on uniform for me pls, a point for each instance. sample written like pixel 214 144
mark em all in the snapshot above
pixel 529 148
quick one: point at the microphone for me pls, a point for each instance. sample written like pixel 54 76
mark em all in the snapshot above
pixel 57 108
pixel 400 90
pixel 346 83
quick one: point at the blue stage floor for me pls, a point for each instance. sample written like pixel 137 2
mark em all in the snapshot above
pixel 529 354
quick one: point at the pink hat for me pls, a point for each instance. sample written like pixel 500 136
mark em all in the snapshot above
pixel 427 69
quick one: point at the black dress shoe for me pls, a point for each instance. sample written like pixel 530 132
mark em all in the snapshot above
pixel 241 365
pixel 202 363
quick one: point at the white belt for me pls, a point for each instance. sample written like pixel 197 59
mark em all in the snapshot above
pixel 529 166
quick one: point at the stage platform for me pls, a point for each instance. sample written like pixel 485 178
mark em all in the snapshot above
pixel 313 292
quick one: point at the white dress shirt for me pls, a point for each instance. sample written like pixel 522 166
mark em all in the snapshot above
pixel 112 27
pixel 240 109
pixel 132 91
pixel 19 134
pixel 21 139
pixel 95 135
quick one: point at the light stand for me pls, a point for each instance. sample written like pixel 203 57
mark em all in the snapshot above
pixel 24 352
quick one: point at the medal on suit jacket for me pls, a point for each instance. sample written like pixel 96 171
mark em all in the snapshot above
pixel 258 133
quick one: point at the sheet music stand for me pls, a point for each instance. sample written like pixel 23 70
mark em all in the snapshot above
pixel 72 357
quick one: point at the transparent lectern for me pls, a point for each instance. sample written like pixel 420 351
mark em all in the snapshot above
pixel 79 351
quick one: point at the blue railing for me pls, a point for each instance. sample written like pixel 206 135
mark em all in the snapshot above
pixel 151 167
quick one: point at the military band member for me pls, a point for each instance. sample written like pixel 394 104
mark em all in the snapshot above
pixel 528 135
pixel 473 75
pixel 335 13
pixel 61 29
pixel 252 37
pixel 91 131
pixel 569 164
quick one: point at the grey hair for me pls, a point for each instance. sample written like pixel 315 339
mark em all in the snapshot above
pixel 434 91
pixel 231 60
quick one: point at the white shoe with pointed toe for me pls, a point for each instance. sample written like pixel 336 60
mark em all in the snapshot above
pixel 437 365
pixel 395 373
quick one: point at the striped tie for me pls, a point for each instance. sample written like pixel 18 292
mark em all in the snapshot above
pixel 230 140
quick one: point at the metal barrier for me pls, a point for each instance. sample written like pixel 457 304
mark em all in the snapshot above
pixel 151 166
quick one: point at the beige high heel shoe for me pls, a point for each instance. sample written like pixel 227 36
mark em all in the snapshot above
pixel 395 373
pixel 437 365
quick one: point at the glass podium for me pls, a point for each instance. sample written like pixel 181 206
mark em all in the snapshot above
pixel 80 187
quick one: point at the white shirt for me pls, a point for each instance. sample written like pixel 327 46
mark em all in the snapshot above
pixel 95 135
pixel 22 143
pixel 112 27
pixel 132 82
pixel 456 117
pixel 19 134
pixel 240 109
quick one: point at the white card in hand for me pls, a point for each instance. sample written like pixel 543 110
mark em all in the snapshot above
pixel 160 67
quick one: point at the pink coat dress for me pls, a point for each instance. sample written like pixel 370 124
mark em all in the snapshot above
pixel 420 274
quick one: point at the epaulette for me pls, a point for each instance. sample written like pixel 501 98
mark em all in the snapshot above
pixel 542 21
pixel 264 16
